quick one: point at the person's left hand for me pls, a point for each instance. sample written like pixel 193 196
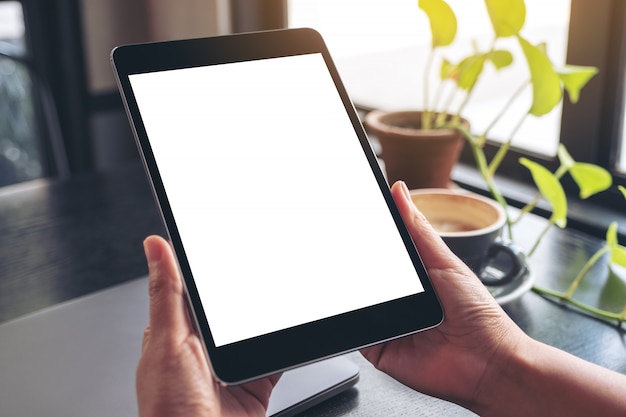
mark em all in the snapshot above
pixel 173 376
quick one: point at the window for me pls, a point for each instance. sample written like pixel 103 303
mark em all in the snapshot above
pixel 620 108
pixel 20 155
pixel 379 47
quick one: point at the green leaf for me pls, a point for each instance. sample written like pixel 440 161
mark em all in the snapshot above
pixel 443 23
pixel 448 70
pixel 618 256
pixel 507 16
pixel 618 253
pixel 566 159
pixel 500 58
pixel 591 179
pixel 470 69
pixel 547 92
pixel 574 78
pixel 467 72
pixel 611 234
pixel 543 47
pixel 622 189
pixel 551 189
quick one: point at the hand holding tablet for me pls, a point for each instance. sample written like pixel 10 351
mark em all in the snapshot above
pixel 290 245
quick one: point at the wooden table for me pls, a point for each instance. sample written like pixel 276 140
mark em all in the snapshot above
pixel 61 240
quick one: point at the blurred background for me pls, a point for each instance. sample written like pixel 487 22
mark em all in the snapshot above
pixel 61 114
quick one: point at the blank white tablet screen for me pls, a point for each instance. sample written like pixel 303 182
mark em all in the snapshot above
pixel 279 213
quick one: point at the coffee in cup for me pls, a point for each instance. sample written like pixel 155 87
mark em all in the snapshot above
pixel 471 225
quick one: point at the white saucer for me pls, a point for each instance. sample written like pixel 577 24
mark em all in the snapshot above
pixel 506 293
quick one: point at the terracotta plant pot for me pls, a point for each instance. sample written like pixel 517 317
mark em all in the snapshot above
pixel 422 159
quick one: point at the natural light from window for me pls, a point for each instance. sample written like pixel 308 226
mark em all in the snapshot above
pixel 11 21
pixel 20 157
pixel 380 48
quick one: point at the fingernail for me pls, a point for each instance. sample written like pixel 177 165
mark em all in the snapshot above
pixel 405 190
pixel 152 249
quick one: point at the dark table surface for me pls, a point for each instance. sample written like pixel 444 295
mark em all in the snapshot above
pixel 61 240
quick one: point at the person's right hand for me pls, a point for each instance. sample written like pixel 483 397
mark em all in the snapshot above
pixel 451 360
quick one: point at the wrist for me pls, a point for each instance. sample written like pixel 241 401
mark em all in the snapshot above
pixel 504 380
pixel 531 378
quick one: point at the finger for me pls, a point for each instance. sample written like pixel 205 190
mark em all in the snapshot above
pixel 167 305
pixel 453 280
pixel 434 252
pixel 261 389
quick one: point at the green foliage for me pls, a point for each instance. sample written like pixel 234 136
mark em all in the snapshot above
pixel 618 252
pixel 469 70
pixel 590 179
pixel 546 84
pixel 466 73
pixel 574 78
pixel 507 16
pixel 500 58
pixel 443 23
pixel 565 158
pixel 550 187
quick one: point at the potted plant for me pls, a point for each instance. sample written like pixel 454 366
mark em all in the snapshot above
pixel 421 157
pixel 415 142
pixel 548 84
pixel 421 147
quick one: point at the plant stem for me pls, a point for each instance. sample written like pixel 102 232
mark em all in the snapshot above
pixel 492 47
pixel 506 107
pixel 441 119
pixel 504 148
pixel 622 317
pixel 530 206
pixel 437 97
pixel 590 262
pixel 468 95
pixel 541 235
pixel 481 162
pixel 589 309
pixel 560 171
pixel 479 155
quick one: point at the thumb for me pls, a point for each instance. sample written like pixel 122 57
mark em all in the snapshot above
pixel 433 250
pixel 167 305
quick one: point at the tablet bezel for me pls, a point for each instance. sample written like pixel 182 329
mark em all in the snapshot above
pixel 259 356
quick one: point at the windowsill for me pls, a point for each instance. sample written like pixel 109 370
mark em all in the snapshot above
pixel 582 215
pixel 585 216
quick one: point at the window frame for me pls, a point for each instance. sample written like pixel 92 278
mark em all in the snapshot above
pixel 23 60
pixel 598 115
pixel 54 38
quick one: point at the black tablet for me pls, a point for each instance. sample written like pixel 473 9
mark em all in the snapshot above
pixel 286 234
